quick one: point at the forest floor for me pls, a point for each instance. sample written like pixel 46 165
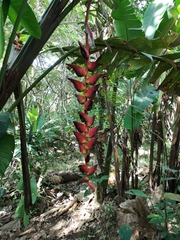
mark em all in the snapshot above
pixel 62 212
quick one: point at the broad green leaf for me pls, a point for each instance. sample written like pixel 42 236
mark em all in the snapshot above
pixel 167 179
pixel 19 213
pixel 41 122
pixel 173 56
pixel 34 191
pixel 117 60
pixel 166 168
pixel 125 232
pixel 171 81
pixel 164 234
pixel 127 25
pixel 5 6
pixel 167 24
pixel 1 30
pixel 107 57
pixel 138 63
pixel 175 197
pixel 4 121
pixel 28 20
pixel 161 67
pixel 153 16
pixel 6 152
pixel 134 113
pixel 140 44
pixel 156 219
pixel 143 99
pixel 137 192
pixel 33 115
pixel 103 178
pixel 25 219
pixel 20 185
pixel 132 119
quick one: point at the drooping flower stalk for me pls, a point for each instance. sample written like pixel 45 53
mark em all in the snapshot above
pixel 86 87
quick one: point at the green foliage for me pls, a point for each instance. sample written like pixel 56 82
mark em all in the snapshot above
pixel 4 121
pixel 172 196
pixel 127 25
pixel 33 117
pixel 153 17
pixel 6 151
pixel 28 19
pixel 20 210
pixel 167 218
pixel 137 193
pixel 125 232
pixel 135 112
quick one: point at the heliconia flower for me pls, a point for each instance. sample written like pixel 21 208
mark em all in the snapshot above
pixel 82 149
pixel 81 127
pixel 80 71
pixel 80 137
pixel 90 92
pixel 84 118
pixel 81 99
pixel 88 104
pixel 84 51
pixel 87 158
pixel 85 179
pixel 93 79
pixel 90 144
pixel 91 185
pixel 91 133
pixel 80 86
pixel 87 170
pixel 92 66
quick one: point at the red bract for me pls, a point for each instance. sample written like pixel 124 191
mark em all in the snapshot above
pixel 90 92
pixel 81 127
pixel 88 105
pixel 90 144
pixel 87 158
pixel 80 72
pixel 80 137
pixel 81 99
pixel 91 185
pixel 84 51
pixel 92 66
pixel 87 170
pixel 78 85
pixel 91 133
pixel 93 79
pixel 85 133
pixel 82 149
pixel 84 118
pixel 85 179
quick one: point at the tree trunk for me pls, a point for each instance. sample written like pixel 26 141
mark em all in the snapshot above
pixel 173 161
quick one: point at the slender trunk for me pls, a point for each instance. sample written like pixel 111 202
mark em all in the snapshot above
pixel 24 154
pixel 152 151
pixel 173 161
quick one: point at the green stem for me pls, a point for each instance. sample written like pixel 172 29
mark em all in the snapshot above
pixel 11 39
pixel 40 78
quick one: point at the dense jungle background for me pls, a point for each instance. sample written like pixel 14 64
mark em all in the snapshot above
pixel 90 119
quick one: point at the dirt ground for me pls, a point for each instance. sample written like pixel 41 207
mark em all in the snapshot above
pixel 64 213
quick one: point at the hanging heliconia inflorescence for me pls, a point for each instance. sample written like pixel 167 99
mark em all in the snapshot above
pixel 86 87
